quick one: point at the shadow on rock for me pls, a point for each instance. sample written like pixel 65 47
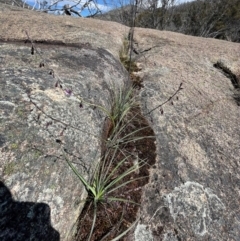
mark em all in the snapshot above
pixel 22 221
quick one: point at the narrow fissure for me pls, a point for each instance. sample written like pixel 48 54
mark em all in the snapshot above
pixel 114 217
pixel 229 74
pixel 235 79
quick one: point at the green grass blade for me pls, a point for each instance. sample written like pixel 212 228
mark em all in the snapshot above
pixel 94 221
pixel 122 200
pixel 125 183
pixel 126 231
pixel 81 178
pixel 114 171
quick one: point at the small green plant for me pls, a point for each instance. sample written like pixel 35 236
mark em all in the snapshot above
pixel 14 146
pixel 111 173
pixel 120 136
pixel 121 101
pixel 124 55
pixel 107 178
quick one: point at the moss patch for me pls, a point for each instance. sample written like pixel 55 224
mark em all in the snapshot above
pixel 14 146
pixel 9 168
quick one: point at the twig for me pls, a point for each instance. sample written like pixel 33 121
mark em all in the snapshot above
pixel 179 89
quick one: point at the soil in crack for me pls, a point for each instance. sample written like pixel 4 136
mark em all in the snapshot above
pixel 114 217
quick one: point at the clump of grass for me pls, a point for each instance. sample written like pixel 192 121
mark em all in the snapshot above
pixel 14 146
pixel 124 55
pixel 130 64
pixel 111 173
pixel 121 101
pixel 106 179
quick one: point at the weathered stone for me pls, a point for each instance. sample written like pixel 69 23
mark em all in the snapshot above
pixel 60 29
pixel 142 233
pixel 194 189
pixel 39 122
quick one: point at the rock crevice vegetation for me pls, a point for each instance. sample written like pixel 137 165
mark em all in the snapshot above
pixel 127 152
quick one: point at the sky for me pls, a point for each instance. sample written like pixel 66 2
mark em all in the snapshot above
pixel 103 5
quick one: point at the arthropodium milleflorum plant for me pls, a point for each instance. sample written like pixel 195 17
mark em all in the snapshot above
pixel 121 101
pixel 120 136
pixel 106 179
pixel 124 55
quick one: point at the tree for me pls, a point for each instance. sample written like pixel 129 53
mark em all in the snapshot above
pixel 73 7
pixel 155 14
pixel 205 18
pixel 211 18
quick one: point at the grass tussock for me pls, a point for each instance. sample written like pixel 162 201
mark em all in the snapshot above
pixel 114 190
pixel 124 55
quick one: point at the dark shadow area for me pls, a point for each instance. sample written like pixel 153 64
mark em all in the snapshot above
pixel 23 221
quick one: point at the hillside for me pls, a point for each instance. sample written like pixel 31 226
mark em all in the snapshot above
pixel 215 19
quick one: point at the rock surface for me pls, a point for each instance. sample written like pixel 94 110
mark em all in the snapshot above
pixel 194 188
pixel 61 29
pixel 40 121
